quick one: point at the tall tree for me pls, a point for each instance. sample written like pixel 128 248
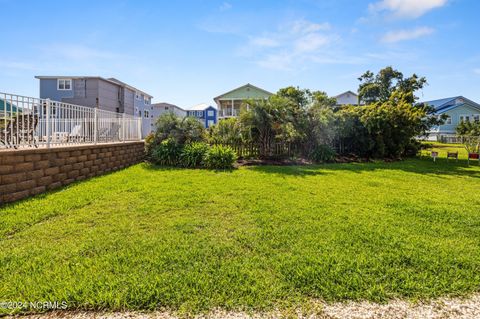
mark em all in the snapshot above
pixel 301 97
pixel 379 87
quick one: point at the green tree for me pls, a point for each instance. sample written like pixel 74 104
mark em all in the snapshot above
pixel 393 125
pixel 467 128
pixel 270 120
pixel 300 97
pixel 379 87
pixel 179 130
pixel 226 131
pixel 470 133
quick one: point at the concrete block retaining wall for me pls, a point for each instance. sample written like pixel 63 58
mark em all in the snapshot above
pixel 31 171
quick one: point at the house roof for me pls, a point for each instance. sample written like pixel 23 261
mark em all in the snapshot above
pixel 442 105
pixel 111 80
pixel 129 86
pixel 200 107
pixel 163 104
pixel 350 92
pixel 241 87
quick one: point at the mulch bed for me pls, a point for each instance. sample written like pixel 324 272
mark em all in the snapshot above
pixel 301 161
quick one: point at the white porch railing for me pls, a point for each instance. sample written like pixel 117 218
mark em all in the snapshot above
pixel 27 121
pixel 228 112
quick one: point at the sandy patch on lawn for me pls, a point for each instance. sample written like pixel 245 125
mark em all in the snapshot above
pixel 440 308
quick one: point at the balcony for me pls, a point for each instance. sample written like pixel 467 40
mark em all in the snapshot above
pixel 228 113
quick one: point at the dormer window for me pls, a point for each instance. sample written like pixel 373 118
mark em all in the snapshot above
pixel 64 84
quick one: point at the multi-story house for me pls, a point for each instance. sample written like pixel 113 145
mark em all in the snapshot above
pixel 206 114
pixel 94 91
pixel 151 113
pixel 229 104
pixel 345 98
pixel 457 109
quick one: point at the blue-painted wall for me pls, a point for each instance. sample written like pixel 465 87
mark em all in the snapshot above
pixel 204 117
pixel 455 114
pixel 48 90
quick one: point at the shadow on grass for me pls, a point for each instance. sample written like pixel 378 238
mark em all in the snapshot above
pixel 155 167
pixel 419 165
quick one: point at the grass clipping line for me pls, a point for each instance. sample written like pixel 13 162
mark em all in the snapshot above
pixel 464 308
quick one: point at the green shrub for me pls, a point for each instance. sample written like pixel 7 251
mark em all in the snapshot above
pixel 192 154
pixel 219 156
pixel 149 144
pixel 167 153
pixel 322 154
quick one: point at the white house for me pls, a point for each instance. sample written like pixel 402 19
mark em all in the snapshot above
pixel 348 97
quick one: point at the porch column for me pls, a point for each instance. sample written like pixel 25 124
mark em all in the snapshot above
pixel 233 109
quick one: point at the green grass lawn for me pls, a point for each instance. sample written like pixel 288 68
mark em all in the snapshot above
pixel 255 238
pixel 443 148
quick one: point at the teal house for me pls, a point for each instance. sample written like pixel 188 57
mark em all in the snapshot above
pixel 457 109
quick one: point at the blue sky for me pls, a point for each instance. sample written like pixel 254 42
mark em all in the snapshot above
pixel 187 52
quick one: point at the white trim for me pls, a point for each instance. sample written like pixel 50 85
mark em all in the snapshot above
pixel 65 81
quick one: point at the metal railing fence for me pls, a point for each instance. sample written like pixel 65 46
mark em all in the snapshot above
pixel 27 121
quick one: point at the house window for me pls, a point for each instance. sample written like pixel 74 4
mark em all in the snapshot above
pixel 210 113
pixel 476 117
pixel 146 113
pixel 448 120
pixel 137 96
pixel 200 113
pixel 64 84
pixel 210 123
pixel 166 108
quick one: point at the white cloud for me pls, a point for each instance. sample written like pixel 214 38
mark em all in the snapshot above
pixel 403 35
pixel 264 42
pixel 311 42
pixel 407 8
pixel 225 6
pixel 291 44
pixel 303 26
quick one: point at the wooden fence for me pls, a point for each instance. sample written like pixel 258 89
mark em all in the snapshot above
pixel 275 150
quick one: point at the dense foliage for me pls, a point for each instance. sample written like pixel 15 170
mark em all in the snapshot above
pixel 219 157
pixel 193 154
pixel 227 131
pixel 167 152
pixel 379 87
pixel 385 127
pixel 470 133
pixel 170 126
pixel 322 154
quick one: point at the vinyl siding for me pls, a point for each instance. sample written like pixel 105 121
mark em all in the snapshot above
pixel 49 90
pixel 455 114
